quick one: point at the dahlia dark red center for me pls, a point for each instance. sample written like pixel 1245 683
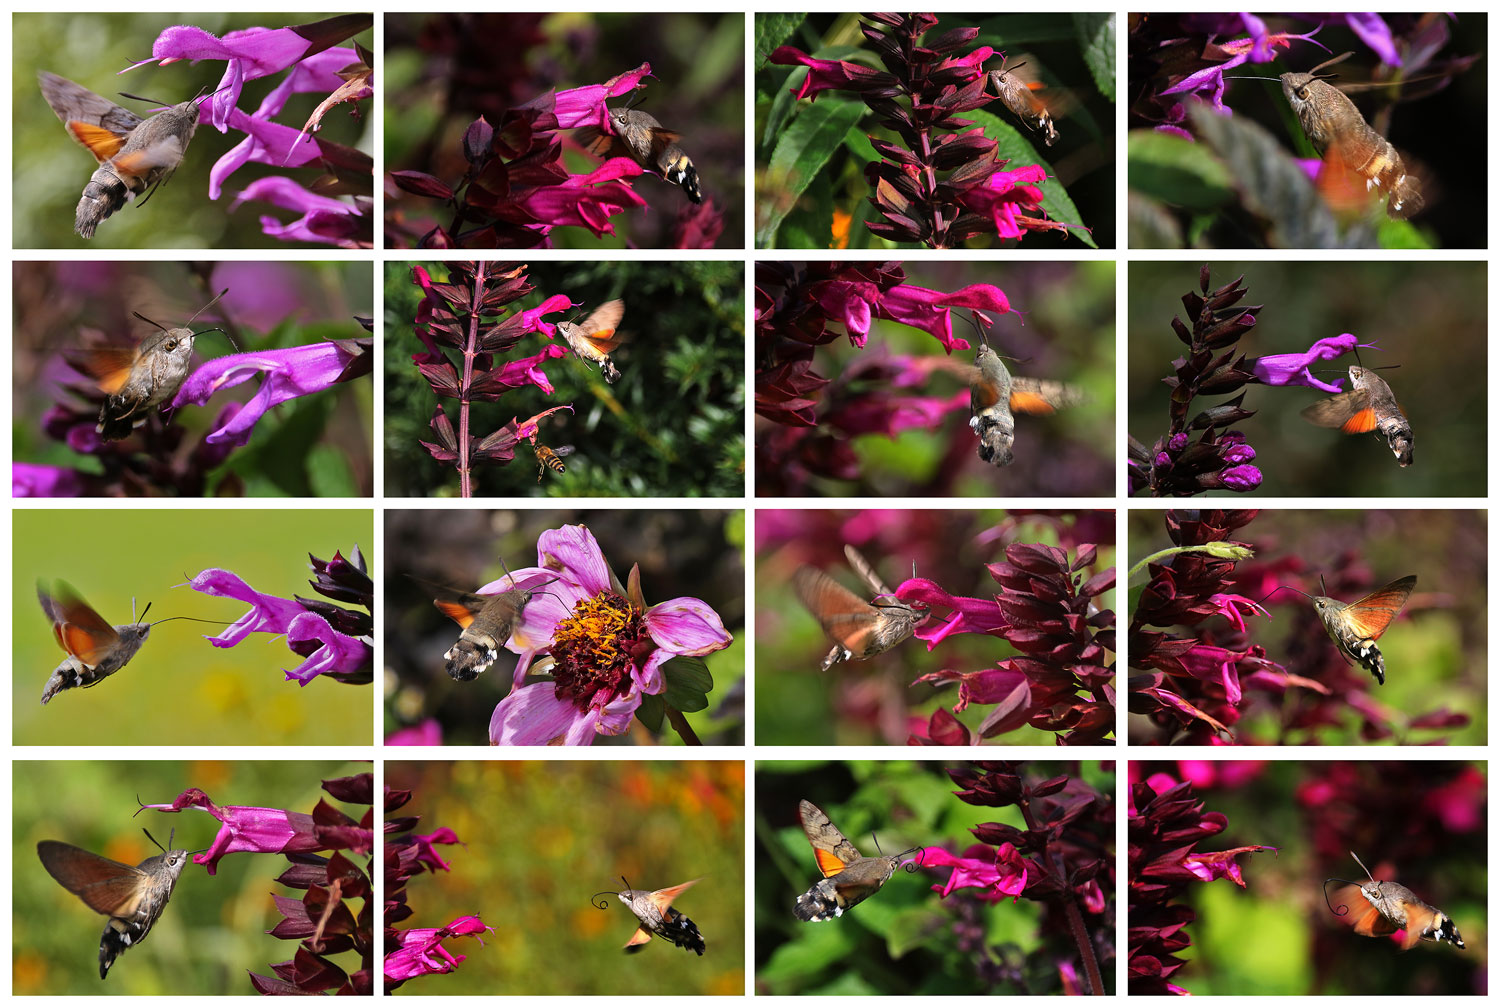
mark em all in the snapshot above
pixel 593 649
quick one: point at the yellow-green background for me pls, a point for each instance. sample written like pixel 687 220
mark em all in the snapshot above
pixel 211 932
pixel 540 838
pixel 90 49
pixel 179 689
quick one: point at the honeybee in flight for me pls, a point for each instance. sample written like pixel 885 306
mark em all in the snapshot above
pixel 550 458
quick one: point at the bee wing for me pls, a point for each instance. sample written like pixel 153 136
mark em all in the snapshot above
pixel 599 329
pixel 107 886
pixel 833 852
pixel 1041 396
pixel 663 898
pixel 564 450
pixel 97 123
pixel 1371 615
pixel 1349 411
pixel 79 630
pixel 845 616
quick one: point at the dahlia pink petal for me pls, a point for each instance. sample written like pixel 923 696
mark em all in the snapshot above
pixel 686 626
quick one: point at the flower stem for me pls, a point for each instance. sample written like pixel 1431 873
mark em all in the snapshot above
pixel 471 349
pixel 676 719
pixel 1081 937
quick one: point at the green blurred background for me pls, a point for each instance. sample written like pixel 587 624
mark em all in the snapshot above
pixel 671 426
pixel 1063 329
pixel 445 70
pixel 898 941
pixel 318 445
pixel 1436 652
pixel 179 689
pixel 212 931
pixel 870 702
pixel 1420 823
pixel 540 837
pixel 682 552
pixel 90 49
pixel 1431 318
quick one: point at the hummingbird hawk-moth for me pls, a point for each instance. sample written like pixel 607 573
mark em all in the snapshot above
pixel 132 898
pixel 658 917
pixel 1392 908
pixel 848 876
pixel 641 138
pixel 995 395
pixel 95 649
pixel 596 336
pixel 136 379
pixel 487 622
pixel 134 154
pixel 859 629
pixel 1356 626
pixel 1369 405
pixel 1346 142
pixel 1016 93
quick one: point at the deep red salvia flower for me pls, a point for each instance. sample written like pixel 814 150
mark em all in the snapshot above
pixel 946 185
pixel 1063 860
pixel 1167 822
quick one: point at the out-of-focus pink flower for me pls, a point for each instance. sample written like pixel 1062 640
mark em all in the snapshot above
pixel 428 733
pixel 29 480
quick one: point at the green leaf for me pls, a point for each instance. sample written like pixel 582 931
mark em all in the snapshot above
pixel 1016 147
pixel 651 711
pixel 1273 186
pixel 818 948
pixel 1176 171
pixel 803 149
pixel 771 30
pixel 1096 40
pixel 911 929
pixel 329 472
pixel 688 682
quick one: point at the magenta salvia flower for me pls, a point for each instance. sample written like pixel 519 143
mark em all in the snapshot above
pixel 995 872
pixel 334 641
pixel 607 648
pixel 585 106
pixel 313 65
pixel 420 951
pixel 1295 368
pixel 30 480
pixel 246 829
pixel 836 75
pixel 582 200
pixel 289 374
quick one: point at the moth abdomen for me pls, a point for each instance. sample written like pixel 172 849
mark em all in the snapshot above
pixel 471 656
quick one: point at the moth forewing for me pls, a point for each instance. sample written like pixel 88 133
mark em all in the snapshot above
pixel 96 650
pixel 486 622
pixel 596 336
pixel 995 396
pixel 1356 626
pixel 1369 405
pixel 1014 90
pixel 1392 907
pixel 655 148
pixel 658 917
pixel 859 629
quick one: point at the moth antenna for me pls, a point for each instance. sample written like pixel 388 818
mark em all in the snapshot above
pixel 1343 908
pixel 157 842
pixel 1323 587
pixel 1361 863
pixel 876 841
pixel 1329 62
pixel 153 101
pixel 601 904
pixel 206 307
pixel 149 321
pixel 638 97
pixel 144 611
pixel 1248 77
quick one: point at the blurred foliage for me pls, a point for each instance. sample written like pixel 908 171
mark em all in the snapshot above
pixel 90 49
pixel 1063 329
pixel 179 690
pixel 540 837
pixel 810 157
pixel 1437 650
pixel 672 426
pixel 213 930
pixel 1399 306
pixel 317 445
pixel 445 70
pixel 871 702
pixel 1241 187
pixel 1277 936
pixel 698 554
pixel 900 941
